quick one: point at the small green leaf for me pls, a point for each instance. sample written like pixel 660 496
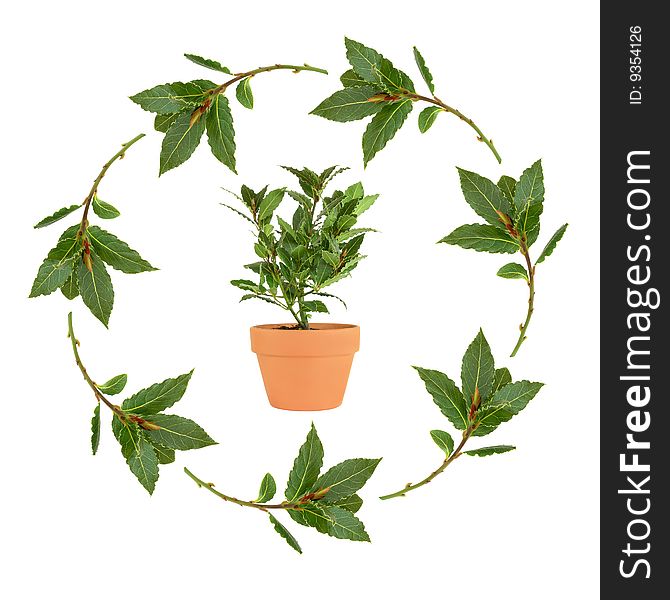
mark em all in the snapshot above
pixel 70 288
pixel 423 69
pixel 365 203
pixel 269 204
pixel 208 63
pixel 165 455
pixel 180 141
pixel 477 369
pixel 349 104
pixel 446 395
pixel 346 478
pixel 57 216
pixel 484 197
pixel 330 257
pixel 306 467
pixel 551 244
pixel 57 266
pixel 95 428
pixel 286 534
pixel 116 253
pixel 267 490
pixel 96 288
pixel 163 122
pixel 513 271
pixel 427 117
pixel 244 94
pixel 178 433
pixel 443 440
pixel 315 306
pixel 488 450
pixel 482 238
pixel 383 127
pixel 350 79
pixel 104 210
pixel 158 397
pixel 114 386
pixel 220 132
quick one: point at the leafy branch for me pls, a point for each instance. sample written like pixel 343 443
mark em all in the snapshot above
pixel 76 265
pixel 512 210
pixel 185 110
pixel 327 502
pixel 487 398
pixel 374 87
pixel 319 247
pixel 147 436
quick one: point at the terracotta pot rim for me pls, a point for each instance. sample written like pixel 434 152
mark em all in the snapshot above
pixel 314 327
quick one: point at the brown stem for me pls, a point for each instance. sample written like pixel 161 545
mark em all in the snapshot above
pixel 447 461
pixel 454 111
pixel 264 507
pixel 98 394
pixel 94 189
pixel 239 76
pixel 531 297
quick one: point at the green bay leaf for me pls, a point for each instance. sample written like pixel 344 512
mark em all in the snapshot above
pixel 57 216
pixel 96 288
pixel 482 238
pixel 157 397
pixel 178 433
pixel 306 467
pixel 349 104
pixel 383 127
pixel 220 131
pixel 180 141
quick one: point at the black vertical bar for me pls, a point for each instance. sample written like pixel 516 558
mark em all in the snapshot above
pixel 635 261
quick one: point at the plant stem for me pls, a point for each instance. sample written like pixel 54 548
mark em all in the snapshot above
pixel 447 461
pixel 94 189
pixel 531 297
pixel 454 111
pixel 259 506
pixel 239 76
pixel 98 395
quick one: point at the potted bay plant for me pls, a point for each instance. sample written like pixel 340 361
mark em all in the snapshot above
pixel 305 365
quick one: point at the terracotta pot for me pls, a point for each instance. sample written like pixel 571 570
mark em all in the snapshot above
pixel 305 369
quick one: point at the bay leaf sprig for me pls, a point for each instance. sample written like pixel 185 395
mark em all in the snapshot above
pixel 374 87
pixel 184 110
pixel 76 265
pixel 486 399
pixel 512 211
pixel 148 437
pixel 318 247
pixel 328 501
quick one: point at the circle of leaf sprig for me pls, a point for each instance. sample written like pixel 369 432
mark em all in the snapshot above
pixel 486 399
pixel 512 210
pixel 76 265
pixel 327 502
pixel 185 110
pixel 319 247
pixel 148 437
pixel 374 87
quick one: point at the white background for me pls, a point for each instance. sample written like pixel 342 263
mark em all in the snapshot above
pixel 521 525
